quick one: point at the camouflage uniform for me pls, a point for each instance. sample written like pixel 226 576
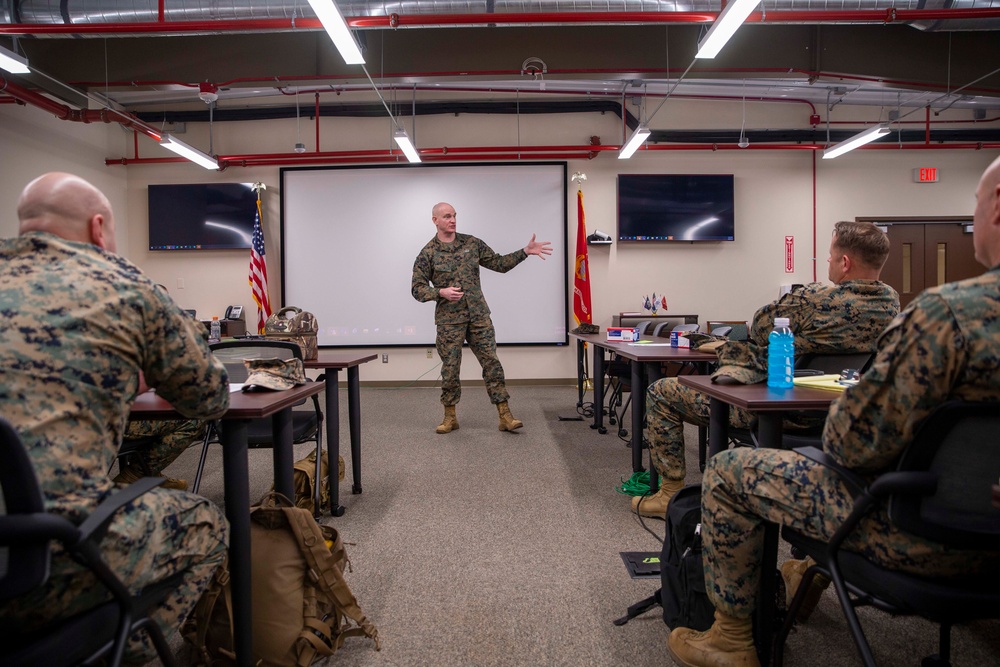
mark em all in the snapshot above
pixel 944 346
pixel 172 437
pixel 79 324
pixel 456 264
pixel 825 319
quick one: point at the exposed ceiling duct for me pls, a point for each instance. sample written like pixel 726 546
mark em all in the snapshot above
pixel 954 14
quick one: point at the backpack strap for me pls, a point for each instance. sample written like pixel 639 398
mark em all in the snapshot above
pixel 196 627
pixel 328 576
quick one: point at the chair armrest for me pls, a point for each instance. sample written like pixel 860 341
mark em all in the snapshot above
pixel 96 523
pixel 37 528
pixel 854 482
pixel 904 483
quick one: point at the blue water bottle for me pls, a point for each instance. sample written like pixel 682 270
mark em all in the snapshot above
pixel 780 355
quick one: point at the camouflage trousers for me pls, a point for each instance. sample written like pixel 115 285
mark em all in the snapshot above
pixel 668 406
pixel 172 437
pixel 161 533
pixel 482 339
pixel 744 488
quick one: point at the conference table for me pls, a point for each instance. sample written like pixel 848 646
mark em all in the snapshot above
pixel 235 466
pixel 332 362
pixel 639 356
pixel 770 406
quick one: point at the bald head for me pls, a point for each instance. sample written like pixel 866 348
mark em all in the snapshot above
pixel 69 207
pixel 444 218
pixel 986 220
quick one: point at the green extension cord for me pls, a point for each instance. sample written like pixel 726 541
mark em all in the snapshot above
pixel 636 485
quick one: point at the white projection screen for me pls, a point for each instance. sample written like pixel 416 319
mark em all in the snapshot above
pixel 349 237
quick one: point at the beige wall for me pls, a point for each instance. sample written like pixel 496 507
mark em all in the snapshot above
pixel 774 198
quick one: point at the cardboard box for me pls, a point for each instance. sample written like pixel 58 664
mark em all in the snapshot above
pixel 623 334
pixel 677 340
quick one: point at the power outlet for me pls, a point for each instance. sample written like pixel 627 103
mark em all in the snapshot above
pixel 430 354
pixel 385 358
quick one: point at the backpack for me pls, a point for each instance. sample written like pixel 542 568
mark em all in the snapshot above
pixel 296 325
pixel 304 473
pixel 682 575
pixel 303 609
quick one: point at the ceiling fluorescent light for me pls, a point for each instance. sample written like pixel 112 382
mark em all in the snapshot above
pixel 731 18
pixel 859 139
pixel 12 62
pixel 193 154
pixel 331 18
pixel 404 143
pixel 637 139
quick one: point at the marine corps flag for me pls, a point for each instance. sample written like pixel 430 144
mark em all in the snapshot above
pixel 581 274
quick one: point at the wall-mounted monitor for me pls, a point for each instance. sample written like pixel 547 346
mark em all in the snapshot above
pixel 201 216
pixel 675 207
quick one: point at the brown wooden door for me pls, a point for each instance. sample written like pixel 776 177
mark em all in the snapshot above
pixel 923 255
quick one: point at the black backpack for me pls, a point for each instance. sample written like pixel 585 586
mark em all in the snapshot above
pixel 682 576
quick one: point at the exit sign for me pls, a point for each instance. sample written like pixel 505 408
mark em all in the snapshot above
pixel 925 175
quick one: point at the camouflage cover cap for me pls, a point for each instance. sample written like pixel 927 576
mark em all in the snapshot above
pixel 741 362
pixel 586 328
pixel 276 374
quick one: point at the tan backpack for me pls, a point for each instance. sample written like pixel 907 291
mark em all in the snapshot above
pixel 296 325
pixel 303 609
pixel 305 482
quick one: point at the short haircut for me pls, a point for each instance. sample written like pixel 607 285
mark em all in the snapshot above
pixel 863 241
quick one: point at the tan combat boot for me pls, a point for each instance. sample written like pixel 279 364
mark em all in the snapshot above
pixel 131 474
pixel 792 572
pixel 507 421
pixel 656 504
pixel 728 643
pixel 450 422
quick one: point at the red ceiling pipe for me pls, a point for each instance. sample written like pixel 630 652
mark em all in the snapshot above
pixel 82 115
pixel 514 18
pixel 513 153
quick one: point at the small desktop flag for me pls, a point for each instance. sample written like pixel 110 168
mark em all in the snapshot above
pixel 581 275
pixel 258 272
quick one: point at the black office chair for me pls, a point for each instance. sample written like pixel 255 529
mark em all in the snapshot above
pixel 26 534
pixel 721 331
pixel 939 491
pixel 739 330
pixel 306 424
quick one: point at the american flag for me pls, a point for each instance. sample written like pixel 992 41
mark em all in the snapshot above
pixel 258 273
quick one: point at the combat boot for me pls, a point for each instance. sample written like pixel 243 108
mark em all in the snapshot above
pixel 450 422
pixel 656 504
pixel 130 474
pixel 792 572
pixel 507 421
pixel 728 643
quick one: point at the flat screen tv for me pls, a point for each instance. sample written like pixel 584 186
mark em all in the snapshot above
pixel 675 207
pixel 201 216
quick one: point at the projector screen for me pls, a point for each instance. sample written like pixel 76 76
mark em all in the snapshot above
pixel 350 236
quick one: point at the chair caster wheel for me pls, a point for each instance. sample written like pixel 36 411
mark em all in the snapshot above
pixel 602 430
pixel 622 433
pixel 356 489
pixel 338 510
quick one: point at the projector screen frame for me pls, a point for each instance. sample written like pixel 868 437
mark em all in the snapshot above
pixel 478 205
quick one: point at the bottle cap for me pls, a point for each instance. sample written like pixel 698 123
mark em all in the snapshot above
pixel 781 322
pixel 215 317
